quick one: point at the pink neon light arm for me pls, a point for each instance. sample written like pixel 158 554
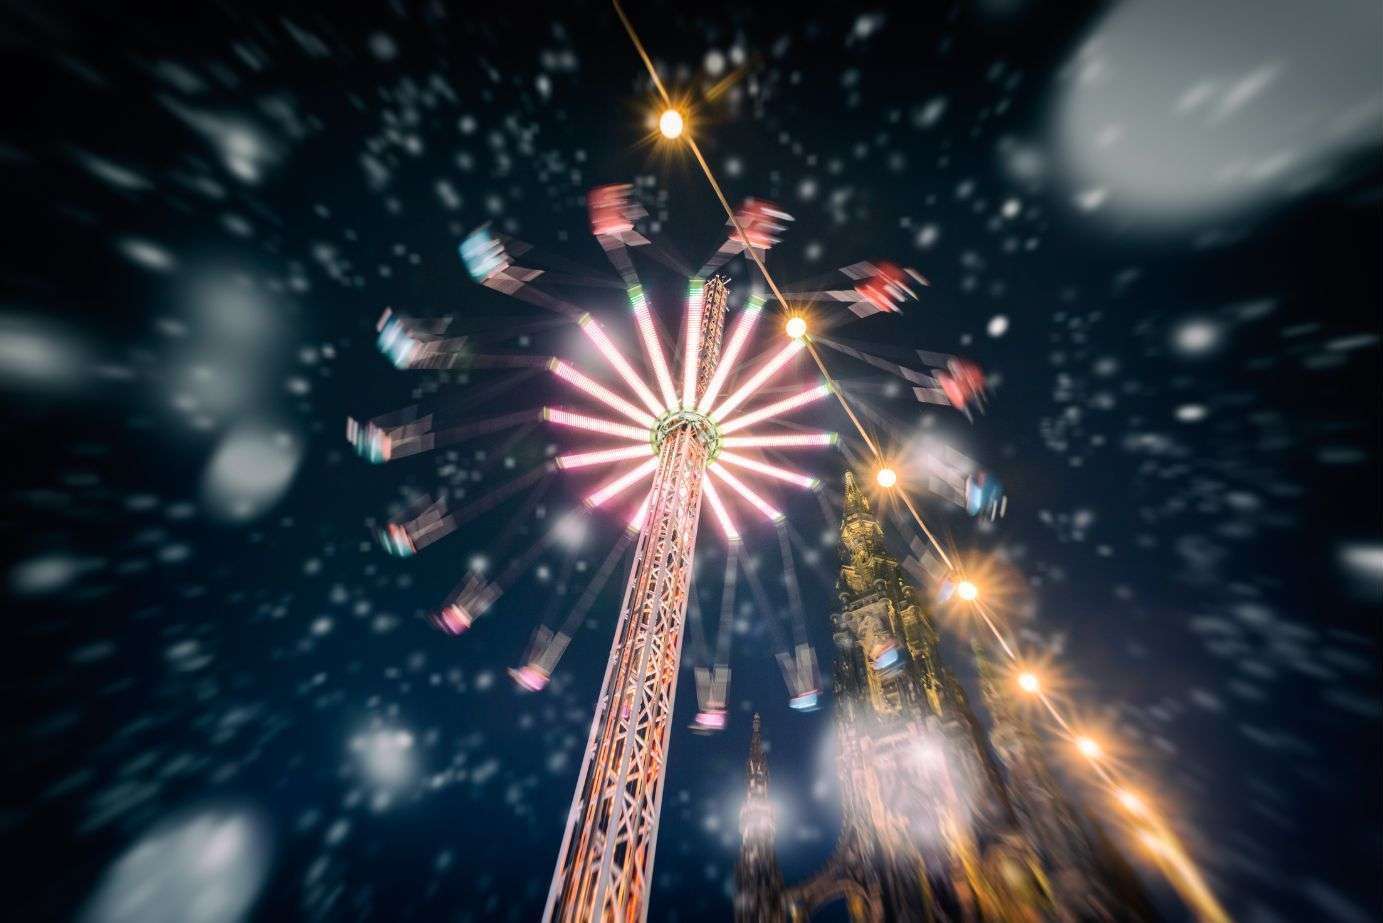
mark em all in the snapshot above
pixel 695 300
pixel 722 515
pixel 600 393
pixel 773 471
pixel 743 326
pixel 739 487
pixel 594 424
pixel 763 413
pixel 622 483
pixel 586 459
pixel 756 381
pixel 649 334
pixel 784 441
pixel 620 364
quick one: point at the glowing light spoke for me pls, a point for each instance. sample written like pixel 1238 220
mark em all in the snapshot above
pixel 772 410
pixel 620 364
pixel 756 381
pixel 695 298
pixel 594 424
pixel 651 346
pixel 601 393
pixel 739 487
pixel 752 308
pixel 585 459
pixel 785 441
pixel 773 471
pixel 636 521
pixel 622 483
pixel 727 525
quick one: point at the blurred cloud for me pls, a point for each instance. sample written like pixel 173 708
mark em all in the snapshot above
pixel 225 354
pixel 232 312
pixel 1179 111
pixel 206 865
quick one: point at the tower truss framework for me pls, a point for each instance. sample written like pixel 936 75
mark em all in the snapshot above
pixel 605 866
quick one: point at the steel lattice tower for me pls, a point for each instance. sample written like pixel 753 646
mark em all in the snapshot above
pixel 605 867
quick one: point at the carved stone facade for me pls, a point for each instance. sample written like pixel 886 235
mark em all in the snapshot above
pixel 934 827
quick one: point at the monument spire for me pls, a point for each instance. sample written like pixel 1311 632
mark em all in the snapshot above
pixel 758 881
pixel 915 768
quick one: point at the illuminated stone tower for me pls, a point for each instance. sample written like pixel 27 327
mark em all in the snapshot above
pixel 933 827
pixel 1089 879
pixel 605 866
pixel 926 821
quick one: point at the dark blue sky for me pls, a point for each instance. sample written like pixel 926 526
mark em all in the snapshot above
pixel 208 212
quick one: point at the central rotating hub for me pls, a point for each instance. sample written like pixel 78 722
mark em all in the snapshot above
pixel 701 426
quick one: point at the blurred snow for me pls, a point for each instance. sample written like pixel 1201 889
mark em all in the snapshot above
pixel 35 355
pixel 250 470
pixel 571 531
pixel 206 865
pixel 147 254
pixel 246 150
pixel 46 574
pixel 1196 336
pixel 225 355
pixel 1184 111
pixel 1363 562
pixel 234 315
pixel 387 757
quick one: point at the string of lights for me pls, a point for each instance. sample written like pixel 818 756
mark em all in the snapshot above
pixel 674 128
pixel 1153 832
pixel 1156 835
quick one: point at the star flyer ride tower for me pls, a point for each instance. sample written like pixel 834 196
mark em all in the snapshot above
pixel 605 866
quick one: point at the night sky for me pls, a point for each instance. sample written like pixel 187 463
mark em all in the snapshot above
pixel 1155 225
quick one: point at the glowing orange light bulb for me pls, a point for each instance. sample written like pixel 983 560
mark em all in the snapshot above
pixel 670 123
